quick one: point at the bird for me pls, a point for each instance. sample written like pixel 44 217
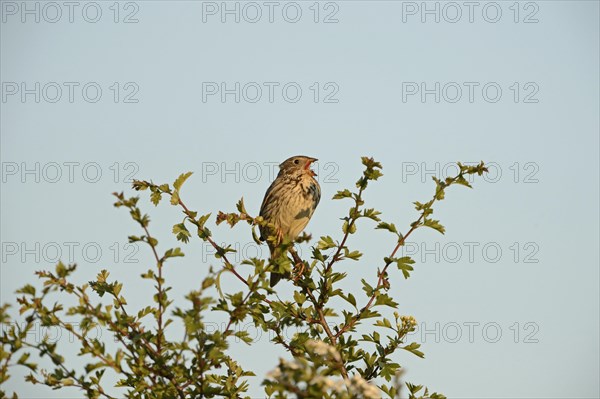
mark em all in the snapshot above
pixel 289 204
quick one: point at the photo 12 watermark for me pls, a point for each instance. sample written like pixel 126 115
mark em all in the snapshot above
pixel 472 251
pixel 261 172
pixel 450 332
pixel 70 92
pixel 470 12
pixel 68 252
pixel 69 12
pixel 518 172
pixel 68 172
pixel 270 92
pixel 253 12
pixel 470 92
pixel 490 332
pixel 243 250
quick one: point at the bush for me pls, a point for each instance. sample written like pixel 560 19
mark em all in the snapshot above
pixel 328 357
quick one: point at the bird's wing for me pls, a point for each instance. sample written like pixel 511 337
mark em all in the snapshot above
pixel 267 207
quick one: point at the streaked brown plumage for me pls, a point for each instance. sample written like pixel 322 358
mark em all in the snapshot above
pixel 289 203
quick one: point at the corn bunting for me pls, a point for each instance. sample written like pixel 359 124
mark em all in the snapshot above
pixel 289 204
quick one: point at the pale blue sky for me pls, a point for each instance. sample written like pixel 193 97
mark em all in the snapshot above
pixel 543 145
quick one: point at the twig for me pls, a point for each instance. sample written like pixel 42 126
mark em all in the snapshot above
pixel 400 243
pixel 224 256
pixel 339 249
pixel 159 264
pixel 323 323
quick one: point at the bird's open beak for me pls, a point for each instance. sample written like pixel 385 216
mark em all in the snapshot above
pixel 308 164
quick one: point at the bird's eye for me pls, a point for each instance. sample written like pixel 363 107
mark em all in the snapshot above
pixel 296 161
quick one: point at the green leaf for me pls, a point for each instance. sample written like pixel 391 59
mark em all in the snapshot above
pixel 27 289
pixel 202 220
pixel 351 299
pixel 371 214
pixel 387 226
pixel 173 252
pixel 181 232
pixel 367 288
pixel 385 300
pixel 440 190
pixel 354 255
pixel 404 263
pixel 373 174
pixel 180 180
pixel 413 348
pixel 462 181
pixel 342 194
pixel 207 282
pixel 414 389
pixel 155 197
pixel 367 314
pixel 348 228
pixel 175 198
pixel 384 323
pixel 326 242
pixel 299 298
pixel 390 391
pixel 146 311
pixel 240 206
pixel 102 276
pixel 117 287
pixel 61 270
pixel 244 336
pixel 434 224
pixel 139 185
pixel 390 370
pixel 23 358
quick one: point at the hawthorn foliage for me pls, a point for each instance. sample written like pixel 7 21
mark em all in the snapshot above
pixel 328 357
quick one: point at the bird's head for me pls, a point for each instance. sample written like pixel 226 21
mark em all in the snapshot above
pixel 298 164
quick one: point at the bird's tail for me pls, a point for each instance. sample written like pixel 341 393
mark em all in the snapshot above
pixel 275 277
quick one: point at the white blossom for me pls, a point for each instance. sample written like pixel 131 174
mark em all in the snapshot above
pixel 322 349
